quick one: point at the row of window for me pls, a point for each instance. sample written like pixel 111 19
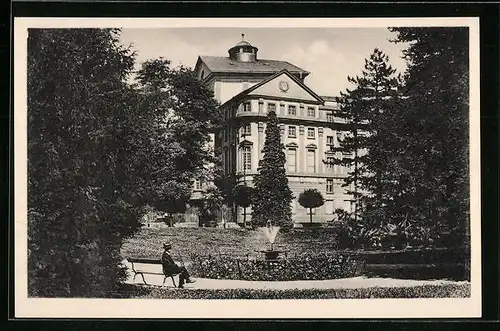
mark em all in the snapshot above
pixel 247 159
pixel 311 166
pixel 328 208
pixel 292 160
pixel 291 110
pixel 246 130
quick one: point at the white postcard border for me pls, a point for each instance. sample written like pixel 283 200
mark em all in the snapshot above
pixel 153 308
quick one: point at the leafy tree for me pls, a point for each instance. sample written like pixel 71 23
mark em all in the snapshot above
pixel 242 196
pixel 100 150
pixel 272 196
pixel 209 205
pixel 179 113
pixel 77 211
pixel 311 198
pixel 371 140
pixel 436 123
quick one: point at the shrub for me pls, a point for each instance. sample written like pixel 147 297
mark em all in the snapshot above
pixel 304 267
pixel 242 196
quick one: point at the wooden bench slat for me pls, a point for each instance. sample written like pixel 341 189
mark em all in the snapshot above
pixel 147 261
pixel 142 272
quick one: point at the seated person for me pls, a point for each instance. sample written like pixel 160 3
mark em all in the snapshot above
pixel 169 267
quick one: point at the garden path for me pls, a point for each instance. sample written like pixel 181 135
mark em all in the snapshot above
pixel 354 282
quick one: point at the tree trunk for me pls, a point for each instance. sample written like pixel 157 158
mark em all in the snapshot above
pixel 245 217
pixel 311 215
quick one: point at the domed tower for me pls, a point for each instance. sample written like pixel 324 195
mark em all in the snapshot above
pixel 243 51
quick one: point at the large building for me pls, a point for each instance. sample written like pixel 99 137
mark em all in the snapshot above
pixel 248 88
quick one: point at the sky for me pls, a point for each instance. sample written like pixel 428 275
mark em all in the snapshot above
pixel 329 54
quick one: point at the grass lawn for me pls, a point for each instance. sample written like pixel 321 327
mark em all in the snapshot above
pixel 425 291
pixel 240 243
pixel 148 243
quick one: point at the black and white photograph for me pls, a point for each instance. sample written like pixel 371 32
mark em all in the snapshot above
pixel 243 168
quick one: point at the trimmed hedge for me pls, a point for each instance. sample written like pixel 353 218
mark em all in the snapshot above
pixel 426 291
pixel 416 256
pixel 305 267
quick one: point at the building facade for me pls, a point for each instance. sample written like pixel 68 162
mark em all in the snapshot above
pixel 248 88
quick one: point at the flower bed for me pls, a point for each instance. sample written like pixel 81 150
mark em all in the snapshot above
pixel 303 267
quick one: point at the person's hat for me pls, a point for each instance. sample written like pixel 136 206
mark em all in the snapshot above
pixel 167 246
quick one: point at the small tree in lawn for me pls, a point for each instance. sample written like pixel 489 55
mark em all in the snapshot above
pixel 272 196
pixel 311 198
pixel 242 196
pixel 209 206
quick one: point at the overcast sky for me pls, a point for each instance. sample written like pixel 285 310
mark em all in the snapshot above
pixel 329 54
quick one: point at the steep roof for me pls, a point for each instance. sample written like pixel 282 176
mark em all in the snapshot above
pixel 225 64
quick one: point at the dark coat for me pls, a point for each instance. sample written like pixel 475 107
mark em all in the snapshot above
pixel 169 266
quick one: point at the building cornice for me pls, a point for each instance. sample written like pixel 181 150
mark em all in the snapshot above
pixel 280 98
pixel 287 119
pixel 324 175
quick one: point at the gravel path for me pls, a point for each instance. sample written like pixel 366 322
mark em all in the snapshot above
pixel 355 282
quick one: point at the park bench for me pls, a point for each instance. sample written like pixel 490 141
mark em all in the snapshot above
pixel 142 272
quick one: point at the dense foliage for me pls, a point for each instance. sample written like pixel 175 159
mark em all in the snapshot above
pixel 177 113
pixel 425 291
pixel 242 196
pixel 436 126
pixel 99 150
pixel 368 109
pixel 272 196
pixel 303 267
pixel 311 198
pixel 77 210
pixel 408 144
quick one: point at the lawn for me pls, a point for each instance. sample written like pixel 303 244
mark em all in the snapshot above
pixel 148 242
pixel 232 244
pixel 426 291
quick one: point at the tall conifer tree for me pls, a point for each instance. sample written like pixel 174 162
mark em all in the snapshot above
pixel 436 126
pixel 368 146
pixel 272 196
